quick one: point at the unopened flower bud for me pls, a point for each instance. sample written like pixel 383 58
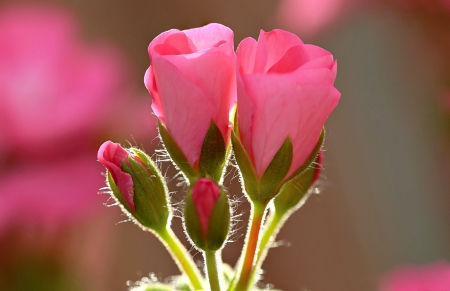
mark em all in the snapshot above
pixel 207 215
pixel 136 184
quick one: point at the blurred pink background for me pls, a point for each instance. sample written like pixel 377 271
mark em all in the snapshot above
pixel 71 76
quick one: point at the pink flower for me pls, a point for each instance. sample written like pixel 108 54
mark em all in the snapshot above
pixel 112 155
pixel 47 197
pixel 285 89
pixel 310 17
pixel 205 195
pixel 434 277
pixel 192 81
pixel 56 91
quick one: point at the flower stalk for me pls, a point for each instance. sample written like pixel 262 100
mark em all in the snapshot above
pixel 213 270
pixel 242 279
pixel 182 258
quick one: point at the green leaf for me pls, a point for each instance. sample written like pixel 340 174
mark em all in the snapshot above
pixel 246 167
pixel 213 154
pixel 312 157
pixel 277 170
pixel 176 154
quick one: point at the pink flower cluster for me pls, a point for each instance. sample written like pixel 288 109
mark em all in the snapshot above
pixel 431 277
pixel 57 95
pixel 283 87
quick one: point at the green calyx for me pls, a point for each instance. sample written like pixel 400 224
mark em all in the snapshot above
pixel 178 157
pixel 213 156
pixel 152 207
pixel 291 195
pixel 218 224
pixel 312 157
pixel 263 190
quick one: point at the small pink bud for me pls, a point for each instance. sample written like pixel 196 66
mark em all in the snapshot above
pixel 205 195
pixel 112 155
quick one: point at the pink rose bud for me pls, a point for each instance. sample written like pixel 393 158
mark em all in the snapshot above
pixel 207 215
pixel 192 81
pixel 434 276
pixel 285 90
pixel 112 156
pixel 137 185
pixel 205 194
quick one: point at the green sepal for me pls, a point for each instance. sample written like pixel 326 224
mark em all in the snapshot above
pixel 275 173
pixel 290 197
pixel 312 157
pixel 219 223
pixel 246 168
pixel 213 155
pixel 150 193
pixel 176 154
pixel 218 226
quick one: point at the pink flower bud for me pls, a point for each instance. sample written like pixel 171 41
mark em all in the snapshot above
pixel 112 155
pixel 192 80
pixel 434 276
pixel 205 195
pixel 285 89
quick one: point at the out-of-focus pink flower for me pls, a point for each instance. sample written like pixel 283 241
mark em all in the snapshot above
pixel 307 17
pixel 285 89
pixel 192 81
pixel 434 276
pixel 46 197
pixel 205 194
pixel 112 155
pixel 55 90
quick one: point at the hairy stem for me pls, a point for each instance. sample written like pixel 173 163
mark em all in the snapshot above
pixel 213 270
pixel 271 229
pixel 242 281
pixel 182 258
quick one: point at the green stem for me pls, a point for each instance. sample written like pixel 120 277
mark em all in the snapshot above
pixel 271 229
pixel 182 258
pixel 242 281
pixel 212 270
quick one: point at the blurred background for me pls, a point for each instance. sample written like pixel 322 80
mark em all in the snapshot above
pixel 71 77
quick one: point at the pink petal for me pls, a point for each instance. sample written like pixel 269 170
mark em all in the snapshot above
pixel 205 194
pixel 112 155
pixel 292 60
pixel 219 88
pixel 277 42
pixel 187 109
pixel 150 84
pixel 211 35
pixel 286 107
pixel 246 53
pixel 171 42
